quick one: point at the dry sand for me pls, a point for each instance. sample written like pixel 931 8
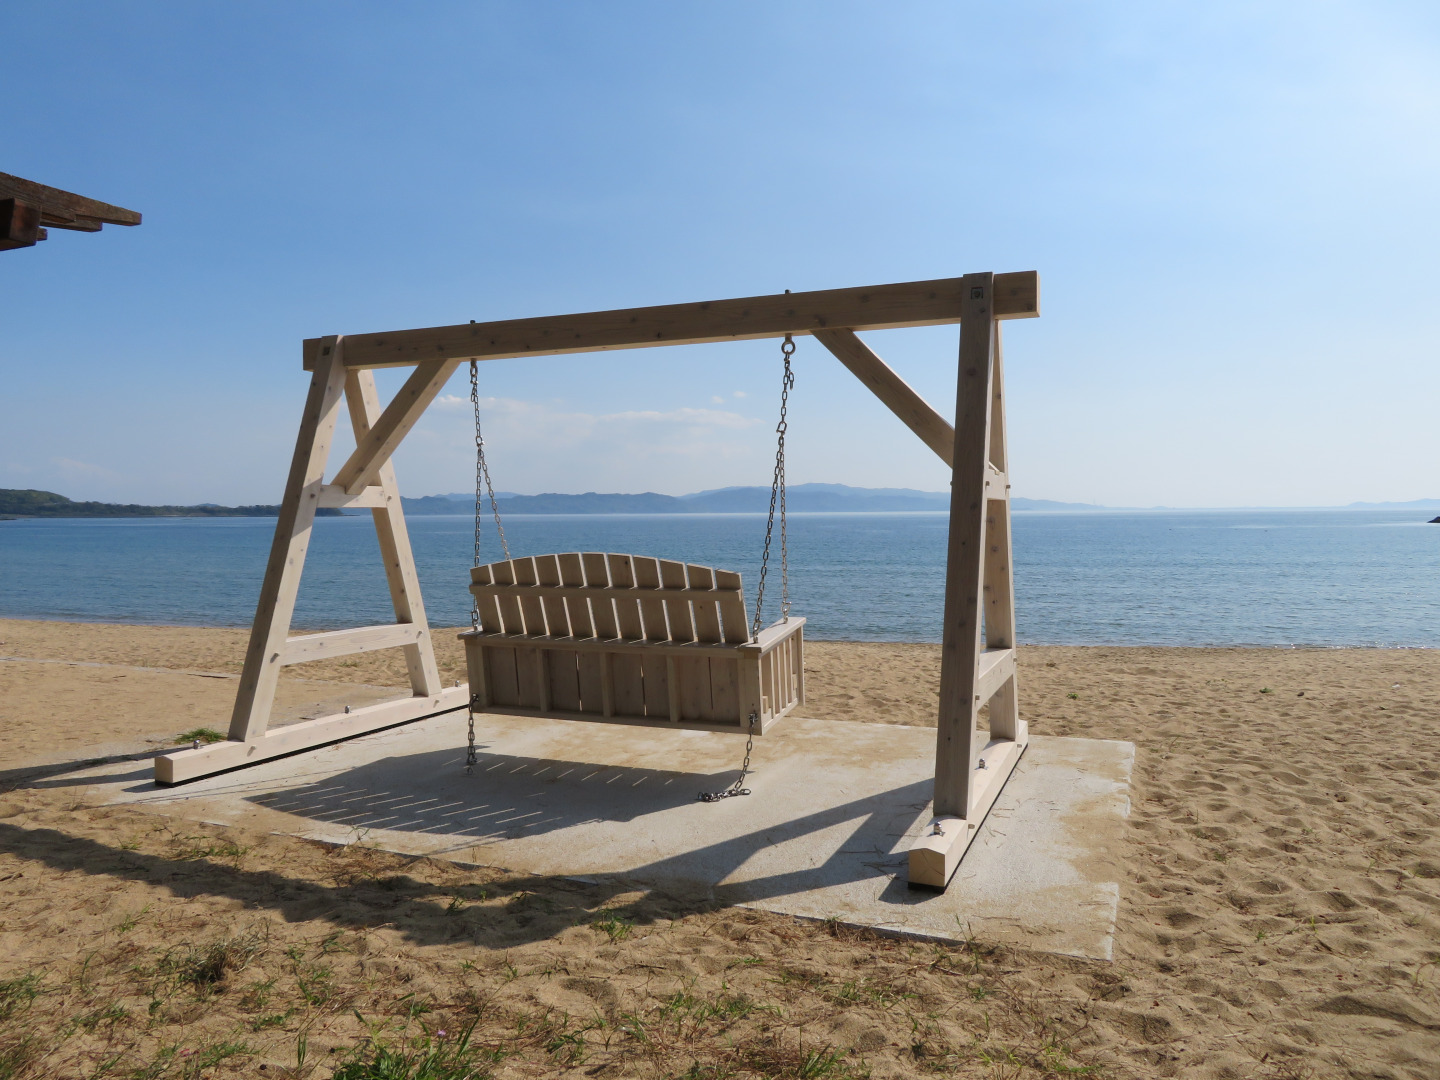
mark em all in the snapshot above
pixel 1280 914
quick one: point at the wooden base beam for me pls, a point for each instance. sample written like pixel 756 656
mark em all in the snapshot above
pixel 936 855
pixel 178 766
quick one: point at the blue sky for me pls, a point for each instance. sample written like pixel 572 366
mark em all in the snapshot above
pixel 1231 206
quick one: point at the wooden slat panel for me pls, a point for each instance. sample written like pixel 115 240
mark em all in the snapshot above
pixel 602 608
pixel 732 609
pixel 875 307
pixel 647 576
pixel 563 667
pixel 599 592
pixel 706 608
pixel 534 692
pixel 627 671
pixel 589 664
pixel 547 570
pixel 504 679
pixel 677 612
pixel 725 691
pixel 530 609
pixel 508 603
pixel 696 701
pixel 488 605
pixel 572 572
pixel 656 685
pixel 478 674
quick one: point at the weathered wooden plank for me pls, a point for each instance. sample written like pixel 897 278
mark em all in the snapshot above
pixel 64 206
pixel 876 307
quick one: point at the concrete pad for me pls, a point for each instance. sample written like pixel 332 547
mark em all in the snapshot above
pixel 824 835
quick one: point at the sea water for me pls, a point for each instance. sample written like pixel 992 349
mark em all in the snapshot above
pixel 1231 577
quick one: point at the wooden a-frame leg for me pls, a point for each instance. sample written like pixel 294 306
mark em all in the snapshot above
pixel 979 599
pixel 1005 719
pixel 364 405
pixel 955 746
pixel 263 658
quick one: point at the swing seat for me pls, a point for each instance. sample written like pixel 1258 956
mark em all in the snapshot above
pixel 627 639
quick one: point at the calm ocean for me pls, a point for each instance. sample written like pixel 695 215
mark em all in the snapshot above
pixel 1233 577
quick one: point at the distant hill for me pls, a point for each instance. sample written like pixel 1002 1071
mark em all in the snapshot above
pixel 29 503
pixel 800 498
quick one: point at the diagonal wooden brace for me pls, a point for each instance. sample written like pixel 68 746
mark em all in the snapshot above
pixel 374 450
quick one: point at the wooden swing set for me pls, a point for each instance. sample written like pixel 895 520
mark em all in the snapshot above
pixel 624 638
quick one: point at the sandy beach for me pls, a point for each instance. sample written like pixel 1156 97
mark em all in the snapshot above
pixel 1280 909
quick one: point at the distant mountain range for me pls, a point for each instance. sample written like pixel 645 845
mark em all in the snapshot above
pixel 800 499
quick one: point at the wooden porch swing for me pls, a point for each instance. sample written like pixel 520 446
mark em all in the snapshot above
pixel 628 638
pixel 978 651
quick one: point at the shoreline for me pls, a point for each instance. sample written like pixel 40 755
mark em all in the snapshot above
pixel 440 631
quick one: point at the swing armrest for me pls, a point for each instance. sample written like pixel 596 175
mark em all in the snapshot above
pixel 773 635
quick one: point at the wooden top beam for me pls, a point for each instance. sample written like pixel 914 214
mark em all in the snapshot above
pixel 65 208
pixel 878 307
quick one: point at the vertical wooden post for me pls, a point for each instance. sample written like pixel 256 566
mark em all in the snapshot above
pixel 956 749
pixel 1005 721
pixel 261 674
pixel 364 405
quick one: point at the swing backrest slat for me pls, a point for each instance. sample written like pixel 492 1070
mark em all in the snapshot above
pixel 610 597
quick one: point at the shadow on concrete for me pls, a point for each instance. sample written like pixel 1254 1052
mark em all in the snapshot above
pixel 511 798
pixel 504 800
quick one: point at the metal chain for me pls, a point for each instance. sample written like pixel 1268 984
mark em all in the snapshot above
pixel 482 470
pixel 738 787
pixel 483 486
pixel 777 492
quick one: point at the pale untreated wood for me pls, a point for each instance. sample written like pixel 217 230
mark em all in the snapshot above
pixel 338 498
pixel 876 307
pixel 1005 719
pixel 936 853
pixel 389 429
pixel 619 662
pixel 177 766
pixel 332 643
pixel 956 744
pixel 268 634
pixel 894 393
pixel 363 402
